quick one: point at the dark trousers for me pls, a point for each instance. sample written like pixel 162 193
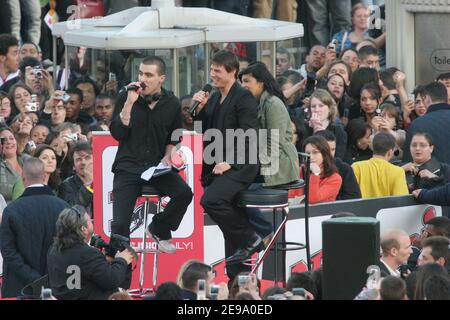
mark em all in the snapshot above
pixel 127 188
pixel 219 203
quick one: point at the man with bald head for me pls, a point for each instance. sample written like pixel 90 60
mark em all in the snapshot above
pixel 27 230
pixel 396 249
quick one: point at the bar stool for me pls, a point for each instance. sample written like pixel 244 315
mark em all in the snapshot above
pixel 277 201
pixel 151 195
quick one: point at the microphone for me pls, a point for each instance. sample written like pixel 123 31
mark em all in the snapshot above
pixel 135 87
pixel 207 88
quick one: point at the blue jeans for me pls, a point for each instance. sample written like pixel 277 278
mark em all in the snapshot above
pixel 257 219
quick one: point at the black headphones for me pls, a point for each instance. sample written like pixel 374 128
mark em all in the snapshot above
pixel 152 97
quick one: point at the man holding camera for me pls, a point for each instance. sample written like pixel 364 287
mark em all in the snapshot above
pixel 78 271
pixel 143 122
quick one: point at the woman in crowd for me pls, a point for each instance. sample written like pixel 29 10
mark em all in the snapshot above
pixel 360 30
pixel 370 102
pixel 5 107
pixel 52 176
pixel 337 87
pixel 21 125
pixel 278 155
pixel 20 96
pixel 325 181
pixel 389 121
pixel 359 141
pixel 351 58
pixel 425 171
pixel 323 117
pixel 10 164
pixel 341 68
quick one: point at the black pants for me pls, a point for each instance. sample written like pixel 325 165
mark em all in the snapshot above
pixel 127 188
pixel 219 203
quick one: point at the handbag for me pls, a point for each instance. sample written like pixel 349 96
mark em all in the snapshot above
pixel 90 8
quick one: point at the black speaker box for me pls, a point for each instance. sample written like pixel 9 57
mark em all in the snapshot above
pixel 350 245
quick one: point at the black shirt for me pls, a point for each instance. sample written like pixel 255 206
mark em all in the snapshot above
pixel 143 142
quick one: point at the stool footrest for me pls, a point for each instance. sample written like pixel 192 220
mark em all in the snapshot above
pixel 283 246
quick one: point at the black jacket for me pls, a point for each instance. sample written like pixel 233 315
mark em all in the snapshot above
pixel 437 196
pixel 98 278
pixel 238 111
pixel 441 170
pixel 350 188
pixel 74 192
pixel 143 142
pixel 26 233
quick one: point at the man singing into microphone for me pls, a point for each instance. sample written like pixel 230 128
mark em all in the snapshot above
pixel 143 122
pixel 230 107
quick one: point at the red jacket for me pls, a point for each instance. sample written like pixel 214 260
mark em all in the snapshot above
pixel 321 190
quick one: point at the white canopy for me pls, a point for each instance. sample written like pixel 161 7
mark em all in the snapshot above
pixel 165 26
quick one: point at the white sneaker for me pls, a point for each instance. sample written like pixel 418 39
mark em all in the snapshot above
pixel 163 245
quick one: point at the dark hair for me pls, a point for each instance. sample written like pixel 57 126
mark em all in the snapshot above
pixel 439 247
pixel 345 86
pixel 80 146
pixel 328 135
pixel 32 43
pixel 302 280
pixel 373 89
pixel 259 71
pixel 387 77
pixel 103 96
pixel 392 288
pixel 54 180
pixel 271 291
pixel 6 41
pixel 423 274
pixel 28 62
pixel 335 63
pixel 244 296
pixel 441 225
pixel 193 272
pixel 321 144
pixel 68 227
pixel 188 96
pixel 357 129
pixel 157 61
pixel 87 79
pixel 226 59
pixel 419 91
pixel 12 90
pixel 443 76
pixel 366 51
pixel 345 51
pixel 75 90
pixel 392 110
pixel 361 77
pixel 169 291
pixel 437 288
pixel 382 143
pixel 426 135
pixel 437 92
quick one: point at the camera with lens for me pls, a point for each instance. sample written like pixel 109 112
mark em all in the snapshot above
pixel 243 280
pixel 299 292
pixel 214 292
pixel 37 71
pixel 32 107
pixel 117 243
pixel 71 137
pixel 65 98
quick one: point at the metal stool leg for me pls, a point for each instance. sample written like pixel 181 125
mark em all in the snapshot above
pixel 144 246
pixel 155 255
pixel 276 249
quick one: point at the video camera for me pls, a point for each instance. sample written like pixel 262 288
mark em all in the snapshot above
pixel 117 243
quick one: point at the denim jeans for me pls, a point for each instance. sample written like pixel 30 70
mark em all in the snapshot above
pixel 319 12
pixel 30 12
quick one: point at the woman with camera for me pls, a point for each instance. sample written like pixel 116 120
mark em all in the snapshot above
pixel 322 116
pixel 324 181
pixel 425 171
pixel 359 141
pixel 21 98
pixel 337 87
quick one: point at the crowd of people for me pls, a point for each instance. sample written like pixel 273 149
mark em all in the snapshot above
pixel 366 136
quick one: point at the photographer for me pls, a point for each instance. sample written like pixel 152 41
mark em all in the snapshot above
pixel 76 270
